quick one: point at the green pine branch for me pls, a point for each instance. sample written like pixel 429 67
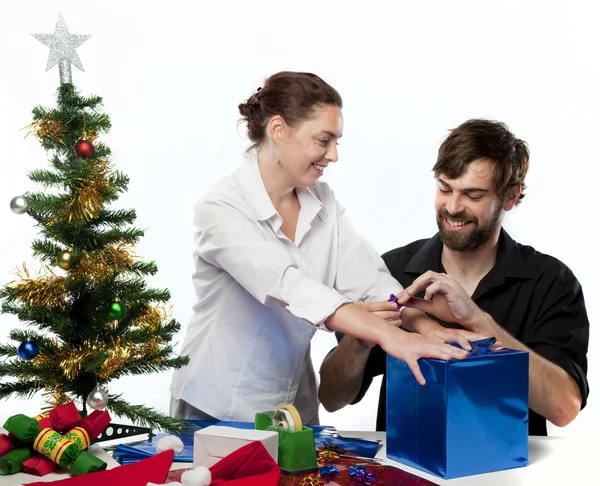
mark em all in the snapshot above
pixel 46 177
pixel 143 334
pixel 120 182
pixel 26 370
pixel 140 268
pixel 43 205
pixel 144 416
pixel 113 218
pixel 20 389
pixel 8 350
pixel 46 251
pixel 114 236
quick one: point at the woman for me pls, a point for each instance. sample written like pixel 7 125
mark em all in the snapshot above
pixel 276 259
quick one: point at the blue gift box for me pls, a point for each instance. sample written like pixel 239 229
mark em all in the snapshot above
pixel 470 418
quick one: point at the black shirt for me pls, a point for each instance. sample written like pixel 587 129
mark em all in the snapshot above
pixel 535 297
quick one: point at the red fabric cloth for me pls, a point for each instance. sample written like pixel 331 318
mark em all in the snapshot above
pixel 248 466
pixel 154 470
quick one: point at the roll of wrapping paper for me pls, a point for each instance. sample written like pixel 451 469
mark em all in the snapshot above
pixel 6 445
pixel 58 448
pixel 12 462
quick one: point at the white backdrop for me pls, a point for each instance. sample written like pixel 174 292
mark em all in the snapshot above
pixel 172 73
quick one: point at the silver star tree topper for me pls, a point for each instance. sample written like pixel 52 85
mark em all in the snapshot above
pixel 63 50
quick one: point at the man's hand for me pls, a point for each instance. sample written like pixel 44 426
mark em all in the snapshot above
pixel 458 336
pixel 444 298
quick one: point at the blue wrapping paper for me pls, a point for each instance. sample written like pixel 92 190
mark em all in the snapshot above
pixel 470 418
pixel 127 454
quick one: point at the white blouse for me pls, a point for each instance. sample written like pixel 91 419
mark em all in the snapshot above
pixel 261 297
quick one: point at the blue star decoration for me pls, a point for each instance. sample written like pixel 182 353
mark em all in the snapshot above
pixel 63 49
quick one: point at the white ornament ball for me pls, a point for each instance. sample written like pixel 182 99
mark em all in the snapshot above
pixel 19 205
pixel 97 399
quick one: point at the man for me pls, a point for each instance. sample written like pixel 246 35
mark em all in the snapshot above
pixel 473 275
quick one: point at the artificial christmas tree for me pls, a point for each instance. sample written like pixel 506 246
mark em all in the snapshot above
pixel 88 315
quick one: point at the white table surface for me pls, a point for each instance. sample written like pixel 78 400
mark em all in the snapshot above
pixel 565 461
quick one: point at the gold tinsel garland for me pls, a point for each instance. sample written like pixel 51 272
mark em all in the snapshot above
pixel 153 316
pixel 97 266
pixel 46 128
pixel 71 359
pixel 46 290
pixel 54 397
pixel 87 201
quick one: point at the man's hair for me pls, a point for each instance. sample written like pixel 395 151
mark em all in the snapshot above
pixel 490 140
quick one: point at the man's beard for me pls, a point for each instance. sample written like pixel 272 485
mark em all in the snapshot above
pixel 466 240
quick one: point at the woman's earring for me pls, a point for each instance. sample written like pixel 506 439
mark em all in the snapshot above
pixel 277 159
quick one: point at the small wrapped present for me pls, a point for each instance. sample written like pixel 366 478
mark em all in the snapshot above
pixel 470 418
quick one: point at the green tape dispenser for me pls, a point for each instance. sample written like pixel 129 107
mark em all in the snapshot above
pixel 296 443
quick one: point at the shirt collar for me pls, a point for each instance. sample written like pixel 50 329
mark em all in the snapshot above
pixel 254 191
pixel 509 260
pixel 310 204
pixel 256 196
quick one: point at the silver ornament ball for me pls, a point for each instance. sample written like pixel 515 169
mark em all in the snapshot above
pixel 19 205
pixel 97 399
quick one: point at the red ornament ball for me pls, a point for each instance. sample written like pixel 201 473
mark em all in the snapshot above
pixel 84 149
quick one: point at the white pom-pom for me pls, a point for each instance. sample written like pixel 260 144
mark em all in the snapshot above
pixel 199 476
pixel 169 442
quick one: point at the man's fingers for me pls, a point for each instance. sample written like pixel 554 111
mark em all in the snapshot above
pixel 433 289
pixel 459 338
pixel 422 305
pixel 420 283
pixel 471 336
pixel 463 343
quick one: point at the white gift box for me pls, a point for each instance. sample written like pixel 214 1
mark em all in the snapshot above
pixel 216 442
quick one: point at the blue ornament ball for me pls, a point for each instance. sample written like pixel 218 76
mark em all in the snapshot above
pixel 28 350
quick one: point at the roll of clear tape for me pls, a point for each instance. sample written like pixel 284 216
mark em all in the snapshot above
pixel 287 417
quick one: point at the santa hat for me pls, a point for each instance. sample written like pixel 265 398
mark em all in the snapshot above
pixel 247 466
